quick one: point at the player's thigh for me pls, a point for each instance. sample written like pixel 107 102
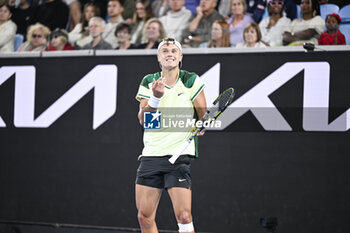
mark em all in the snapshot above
pixel 181 199
pixel 147 199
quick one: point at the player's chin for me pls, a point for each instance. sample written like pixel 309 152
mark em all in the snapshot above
pixel 170 67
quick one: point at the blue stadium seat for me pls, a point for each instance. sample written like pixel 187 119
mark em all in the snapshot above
pixel 344 13
pixel 345 29
pixel 18 41
pixel 299 16
pixel 327 9
pixel 266 13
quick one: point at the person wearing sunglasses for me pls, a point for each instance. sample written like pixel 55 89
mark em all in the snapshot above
pixel 59 41
pixel 272 27
pixel 36 38
pixel 308 28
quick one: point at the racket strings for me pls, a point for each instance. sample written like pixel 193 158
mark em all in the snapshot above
pixel 225 99
pixel 220 103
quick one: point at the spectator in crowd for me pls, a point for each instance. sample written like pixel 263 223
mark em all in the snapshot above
pixel 80 34
pixel 153 32
pixel 308 28
pixel 52 13
pixel 252 37
pixel 7 29
pixel 115 9
pixel 238 21
pixel 220 35
pixel 143 12
pixel 332 36
pixel 160 7
pixel 176 21
pixel 272 27
pixel 58 40
pixel 123 33
pixel 36 38
pixel 96 28
pixel 200 26
pixel 22 17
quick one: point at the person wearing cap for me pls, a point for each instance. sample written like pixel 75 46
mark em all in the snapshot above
pixel 177 91
pixel 59 41
pixel 332 36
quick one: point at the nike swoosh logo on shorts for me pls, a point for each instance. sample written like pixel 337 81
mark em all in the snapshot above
pixel 180 94
pixel 182 180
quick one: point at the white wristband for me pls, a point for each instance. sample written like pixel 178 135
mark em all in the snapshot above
pixel 153 102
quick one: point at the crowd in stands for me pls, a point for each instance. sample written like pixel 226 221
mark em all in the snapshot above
pixel 52 25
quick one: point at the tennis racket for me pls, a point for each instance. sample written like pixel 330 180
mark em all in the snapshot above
pixel 219 106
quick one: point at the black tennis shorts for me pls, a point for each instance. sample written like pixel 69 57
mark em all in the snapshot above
pixel 158 172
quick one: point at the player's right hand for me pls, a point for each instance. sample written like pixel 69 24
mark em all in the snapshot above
pixel 158 87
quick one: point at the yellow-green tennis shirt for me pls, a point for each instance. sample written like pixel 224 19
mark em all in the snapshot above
pixel 176 101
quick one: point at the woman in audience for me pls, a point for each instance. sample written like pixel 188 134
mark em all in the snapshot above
pixel 153 33
pixel 59 41
pixel 143 12
pixel 220 35
pixel 7 29
pixel 123 33
pixel 36 38
pixel 252 37
pixel 80 34
pixel 307 29
pixel 238 21
pixel 272 27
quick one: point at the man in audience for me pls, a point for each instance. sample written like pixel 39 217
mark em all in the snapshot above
pixel 200 26
pixel 115 9
pixel 96 28
pixel 176 20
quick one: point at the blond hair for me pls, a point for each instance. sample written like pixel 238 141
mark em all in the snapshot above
pixel 161 28
pixel 38 26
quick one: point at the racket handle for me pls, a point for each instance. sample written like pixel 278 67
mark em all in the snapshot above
pixel 175 156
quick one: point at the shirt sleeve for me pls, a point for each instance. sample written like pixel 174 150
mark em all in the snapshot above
pixel 144 91
pixel 318 24
pixel 196 88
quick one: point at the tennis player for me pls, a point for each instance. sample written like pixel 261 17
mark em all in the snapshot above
pixel 170 88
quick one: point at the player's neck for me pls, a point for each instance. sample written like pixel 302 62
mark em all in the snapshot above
pixel 170 76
